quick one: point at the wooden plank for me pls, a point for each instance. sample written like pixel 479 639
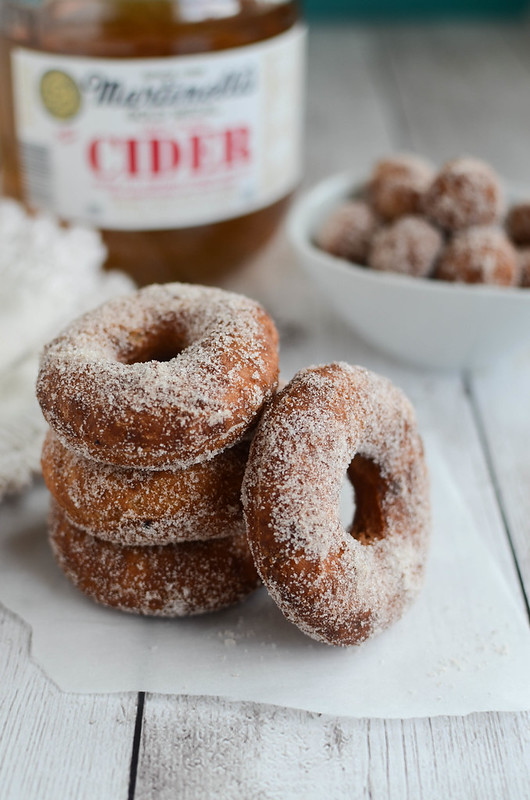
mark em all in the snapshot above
pixel 502 397
pixel 473 94
pixel 188 754
pixel 192 746
pixel 348 123
pixel 201 747
pixel 195 748
pixel 517 40
pixel 55 746
pixel 464 89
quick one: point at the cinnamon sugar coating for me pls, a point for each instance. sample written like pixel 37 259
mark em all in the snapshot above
pixel 465 192
pixel 409 246
pixel 338 586
pixel 348 232
pixel 166 377
pixel 147 507
pixel 173 580
pixel 397 185
pixel 518 223
pixel 479 255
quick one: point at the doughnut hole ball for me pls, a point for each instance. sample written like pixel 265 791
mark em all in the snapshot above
pixel 397 185
pixel 523 256
pixel 409 245
pixel 479 255
pixel 518 223
pixel 466 192
pixel 348 232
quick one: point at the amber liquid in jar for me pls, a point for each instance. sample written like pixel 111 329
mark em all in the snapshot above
pixel 138 29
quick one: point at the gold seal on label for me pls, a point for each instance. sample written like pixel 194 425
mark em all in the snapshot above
pixel 60 94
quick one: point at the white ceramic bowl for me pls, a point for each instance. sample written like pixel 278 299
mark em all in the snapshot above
pixel 423 322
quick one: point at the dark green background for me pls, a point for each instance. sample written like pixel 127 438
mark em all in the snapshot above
pixel 412 9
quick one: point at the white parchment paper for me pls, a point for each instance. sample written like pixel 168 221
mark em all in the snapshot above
pixel 464 647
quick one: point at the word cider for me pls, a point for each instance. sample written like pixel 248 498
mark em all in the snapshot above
pixel 172 127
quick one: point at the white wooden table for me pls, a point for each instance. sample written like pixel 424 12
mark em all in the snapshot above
pixel 441 91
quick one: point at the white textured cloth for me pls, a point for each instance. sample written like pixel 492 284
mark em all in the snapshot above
pixel 48 275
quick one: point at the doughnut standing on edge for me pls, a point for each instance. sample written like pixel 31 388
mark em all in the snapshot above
pixel 171 580
pixel 147 507
pixel 164 378
pixel 338 586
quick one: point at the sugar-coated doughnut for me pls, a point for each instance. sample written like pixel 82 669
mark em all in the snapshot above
pixel 134 506
pixel 479 255
pixel 166 377
pixel 172 580
pixel 410 245
pixel 348 231
pixel 465 192
pixel 339 586
pixel 397 185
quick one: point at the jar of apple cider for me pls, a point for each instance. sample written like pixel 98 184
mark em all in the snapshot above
pixel 173 126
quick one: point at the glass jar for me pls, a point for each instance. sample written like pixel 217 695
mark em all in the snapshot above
pixel 174 126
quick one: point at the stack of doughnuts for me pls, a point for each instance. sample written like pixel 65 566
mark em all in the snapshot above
pixel 151 400
pixel 178 473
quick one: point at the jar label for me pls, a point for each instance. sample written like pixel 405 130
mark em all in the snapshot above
pixel 154 143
